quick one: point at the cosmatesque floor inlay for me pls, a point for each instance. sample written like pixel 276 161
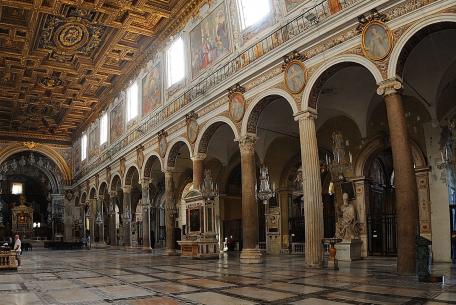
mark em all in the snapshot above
pixel 106 276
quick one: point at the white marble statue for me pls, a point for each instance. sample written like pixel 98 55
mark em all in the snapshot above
pixel 347 226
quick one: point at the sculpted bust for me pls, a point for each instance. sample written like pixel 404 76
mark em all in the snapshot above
pixel 347 226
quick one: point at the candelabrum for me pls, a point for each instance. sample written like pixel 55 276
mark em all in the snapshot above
pixel 209 189
pixel 98 219
pixel 342 161
pixel 127 216
pixel 264 192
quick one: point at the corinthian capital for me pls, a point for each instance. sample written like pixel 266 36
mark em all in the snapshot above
pixel 389 86
pixel 198 157
pixel 247 143
pixel 306 115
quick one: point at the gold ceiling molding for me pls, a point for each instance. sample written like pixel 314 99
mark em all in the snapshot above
pixel 60 61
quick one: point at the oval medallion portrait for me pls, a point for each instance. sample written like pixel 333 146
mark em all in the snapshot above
pixel 162 145
pixel 377 40
pixel 192 130
pixel 295 76
pixel 237 106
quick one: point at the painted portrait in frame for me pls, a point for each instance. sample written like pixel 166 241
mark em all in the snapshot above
pixel 162 146
pixel 237 106
pixel 192 130
pixel 94 140
pixel 209 40
pixel 377 40
pixel 151 90
pixel 295 76
pixel 116 120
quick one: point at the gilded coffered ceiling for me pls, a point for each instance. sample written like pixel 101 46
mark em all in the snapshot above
pixel 62 61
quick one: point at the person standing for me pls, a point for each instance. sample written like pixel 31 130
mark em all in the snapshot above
pixel 17 248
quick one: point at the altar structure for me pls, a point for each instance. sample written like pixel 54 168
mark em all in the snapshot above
pixel 199 239
pixel 22 219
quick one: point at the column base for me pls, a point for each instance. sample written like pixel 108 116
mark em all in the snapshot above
pixel 171 252
pixel 147 249
pixel 251 256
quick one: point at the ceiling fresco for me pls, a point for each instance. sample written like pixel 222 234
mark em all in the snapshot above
pixel 63 61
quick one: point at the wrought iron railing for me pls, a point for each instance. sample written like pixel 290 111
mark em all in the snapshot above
pixel 292 29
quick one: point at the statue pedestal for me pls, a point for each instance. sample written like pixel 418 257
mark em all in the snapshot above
pixel 349 250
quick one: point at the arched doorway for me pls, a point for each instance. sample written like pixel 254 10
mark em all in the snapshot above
pixel 36 178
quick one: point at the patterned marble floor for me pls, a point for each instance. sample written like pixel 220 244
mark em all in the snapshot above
pixel 134 277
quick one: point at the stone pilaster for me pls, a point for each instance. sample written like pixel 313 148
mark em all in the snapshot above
pixel 198 168
pixel 112 219
pixel 170 209
pixel 313 205
pixel 250 251
pixel 146 213
pixel 404 176
pixel 127 215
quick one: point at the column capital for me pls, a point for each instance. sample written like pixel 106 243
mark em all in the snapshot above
pixel 198 157
pixel 247 143
pixel 168 172
pixel 126 189
pixel 306 115
pixel 389 86
pixel 113 194
pixel 145 182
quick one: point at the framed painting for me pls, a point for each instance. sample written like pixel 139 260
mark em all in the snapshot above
pixel 295 79
pixel 162 146
pixel 209 40
pixel 237 106
pixel 377 40
pixel 192 130
pixel 151 90
pixel 94 140
pixel 116 120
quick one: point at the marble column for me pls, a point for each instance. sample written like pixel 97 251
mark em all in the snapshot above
pixel 198 169
pixel 101 226
pixel 311 182
pixel 127 215
pixel 250 252
pixel 112 219
pixel 404 177
pixel 169 213
pixel 146 213
pixel 93 215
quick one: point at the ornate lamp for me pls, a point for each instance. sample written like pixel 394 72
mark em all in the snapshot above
pixel 209 189
pixel 98 219
pixel 342 162
pixel 264 193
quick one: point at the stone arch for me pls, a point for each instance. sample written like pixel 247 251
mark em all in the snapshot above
pixel 129 175
pixel 411 37
pixel 45 150
pixel 93 193
pixel 174 147
pixel 316 81
pixel 115 181
pixel 252 114
pixel 209 129
pixel 103 188
pixel 151 159
pixel 378 143
pixel 83 198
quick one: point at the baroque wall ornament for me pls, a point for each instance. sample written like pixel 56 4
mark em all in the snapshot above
pixel 162 143
pixel 192 126
pixel 376 39
pixel 294 72
pixel 237 102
